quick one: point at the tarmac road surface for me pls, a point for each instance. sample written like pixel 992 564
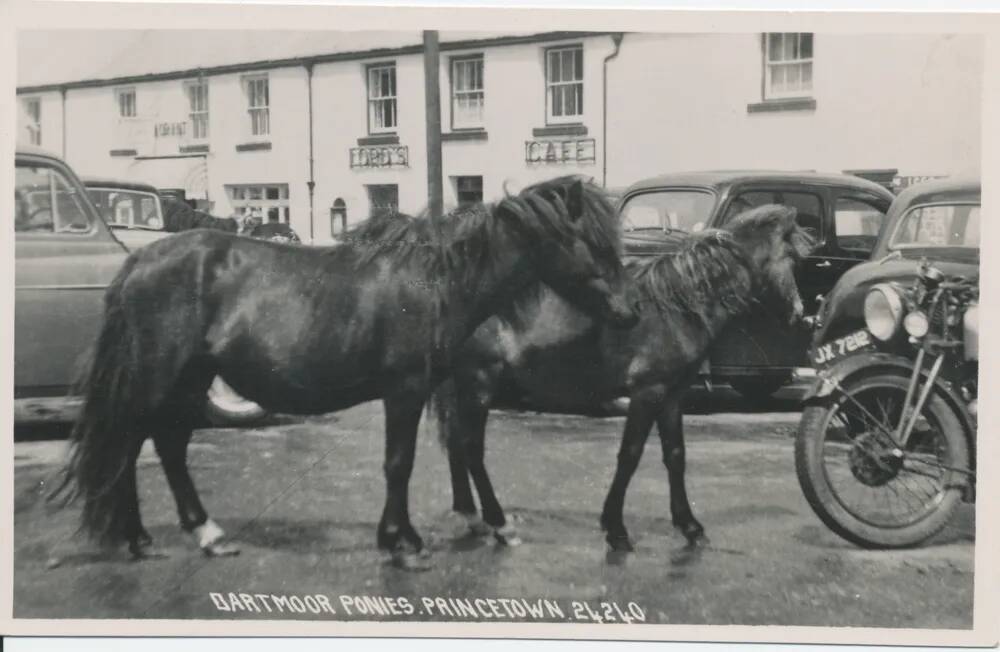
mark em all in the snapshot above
pixel 302 498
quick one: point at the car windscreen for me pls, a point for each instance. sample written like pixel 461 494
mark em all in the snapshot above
pixel 938 225
pixel 668 210
pixel 126 208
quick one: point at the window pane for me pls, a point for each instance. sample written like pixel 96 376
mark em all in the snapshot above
pixel 32 200
pixel 807 46
pixel 579 63
pixel 555 67
pixel 773 47
pixel 557 101
pixel 777 78
pixel 792 77
pixel 807 76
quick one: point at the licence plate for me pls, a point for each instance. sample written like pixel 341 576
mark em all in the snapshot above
pixel 826 354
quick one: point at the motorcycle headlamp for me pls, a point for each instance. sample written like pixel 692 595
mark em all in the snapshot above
pixel 916 324
pixel 883 311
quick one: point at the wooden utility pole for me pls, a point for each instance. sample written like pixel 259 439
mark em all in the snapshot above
pixel 432 100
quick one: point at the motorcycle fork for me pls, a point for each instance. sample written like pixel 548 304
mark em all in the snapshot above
pixel 909 415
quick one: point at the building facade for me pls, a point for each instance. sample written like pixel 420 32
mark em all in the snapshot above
pixel 320 141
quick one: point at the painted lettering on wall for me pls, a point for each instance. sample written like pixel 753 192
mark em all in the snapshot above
pixel 380 156
pixel 168 129
pixel 560 151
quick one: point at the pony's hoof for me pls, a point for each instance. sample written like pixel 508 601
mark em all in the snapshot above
pixel 414 561
pixel 478 527
pixel 220 549
pixel 144 540
pixel 507 536
pixel 620 543
pixel 694 533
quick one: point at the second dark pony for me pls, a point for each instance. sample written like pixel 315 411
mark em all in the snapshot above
pixel 563 359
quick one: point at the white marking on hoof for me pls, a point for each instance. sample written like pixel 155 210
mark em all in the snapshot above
pixel 507 535
pixel 207 534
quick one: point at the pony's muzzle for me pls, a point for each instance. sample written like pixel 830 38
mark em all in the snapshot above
pixel 623 315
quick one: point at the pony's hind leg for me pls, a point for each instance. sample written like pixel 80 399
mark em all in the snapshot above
pixel 641 413
pixel 135 534
pixel 670 424
pixel 171 446
pixel 473 418
pixel 463 503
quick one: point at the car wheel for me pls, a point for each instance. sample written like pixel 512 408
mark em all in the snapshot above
pixel 227 408
pixel 758 388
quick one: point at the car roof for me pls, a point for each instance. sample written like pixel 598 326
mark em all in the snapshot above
pixel 105 182
pixel 34 150
pixel 941 190
pixel 722 178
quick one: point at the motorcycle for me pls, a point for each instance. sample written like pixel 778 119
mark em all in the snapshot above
pixel 885 450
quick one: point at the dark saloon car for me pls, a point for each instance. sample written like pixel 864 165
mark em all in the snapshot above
pixel 844 214
pixel 937 221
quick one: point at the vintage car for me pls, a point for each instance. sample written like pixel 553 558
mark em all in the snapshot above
pixel 132 209
pixel 843 213
pixel 937 221
pixel 65 257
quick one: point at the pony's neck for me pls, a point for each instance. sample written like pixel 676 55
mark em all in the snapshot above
pixel 474 298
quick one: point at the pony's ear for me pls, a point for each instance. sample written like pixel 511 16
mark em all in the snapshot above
pixel 574 200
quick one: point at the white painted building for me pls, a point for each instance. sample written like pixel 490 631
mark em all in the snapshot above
pixel 329 123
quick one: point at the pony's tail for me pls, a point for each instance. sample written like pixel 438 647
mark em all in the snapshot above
pixel 103 437
pixel 443 405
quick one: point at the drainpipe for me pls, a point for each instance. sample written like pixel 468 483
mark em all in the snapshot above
pixel 311 184
pixel 62 93
pixel 617 40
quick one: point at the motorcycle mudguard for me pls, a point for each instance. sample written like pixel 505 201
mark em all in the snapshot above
pixel 869 363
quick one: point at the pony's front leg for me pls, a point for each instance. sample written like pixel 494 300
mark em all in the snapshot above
pixel 395 532
pixel 642 411
pixel 473 417
pixel 670 424
pixel 171 446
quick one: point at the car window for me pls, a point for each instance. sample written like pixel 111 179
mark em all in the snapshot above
pixel 45 202
pixel 938 226
pixel 685 210
pixel 808 207
pixel 127 208
pixel 857 224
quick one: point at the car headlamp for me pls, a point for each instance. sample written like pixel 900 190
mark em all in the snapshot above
pixel 883 311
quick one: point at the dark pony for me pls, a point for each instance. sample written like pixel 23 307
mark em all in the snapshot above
pixel 564 360
pixel 314 330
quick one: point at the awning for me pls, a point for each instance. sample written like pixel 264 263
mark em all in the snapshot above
pixel 189 173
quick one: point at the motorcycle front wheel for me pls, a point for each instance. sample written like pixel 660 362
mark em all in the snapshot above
pixel 865 488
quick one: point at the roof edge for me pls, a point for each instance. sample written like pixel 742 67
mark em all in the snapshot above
pixel 309 60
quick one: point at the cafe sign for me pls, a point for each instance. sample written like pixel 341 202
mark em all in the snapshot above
pixel 380 156
pixel 576 150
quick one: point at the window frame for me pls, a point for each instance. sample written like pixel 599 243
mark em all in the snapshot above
pixel 481 91
pixel 248 81
pixel 767 93
pixel 370 100
pixel 121 91
pixel 34 122
pixel 550 118
pixel 78 193
pixel 242 205
pixel 189 87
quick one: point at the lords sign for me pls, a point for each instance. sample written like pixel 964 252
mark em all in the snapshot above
pixel 382 156
pixel 560 151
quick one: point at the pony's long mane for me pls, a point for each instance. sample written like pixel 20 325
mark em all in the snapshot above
pixel 709 269
pixel 712 267
pixel 464 241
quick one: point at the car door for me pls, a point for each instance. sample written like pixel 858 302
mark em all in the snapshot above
pixel 65 259
pixel 764 339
